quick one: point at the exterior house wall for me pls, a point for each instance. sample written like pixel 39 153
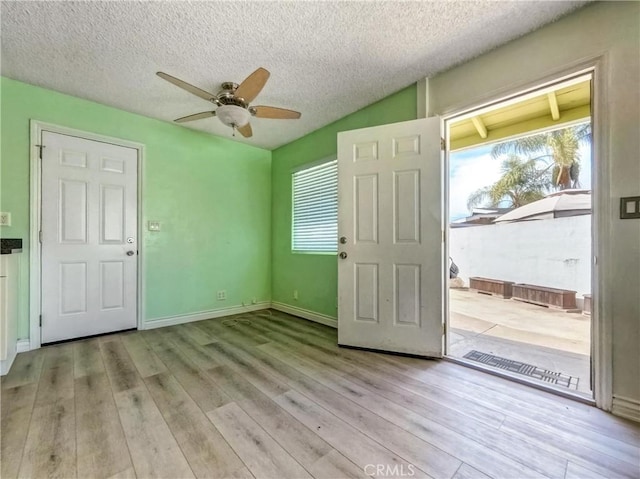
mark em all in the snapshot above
pixel 553 252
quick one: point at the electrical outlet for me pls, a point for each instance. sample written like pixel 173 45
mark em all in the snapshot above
pixel 154 226
pixel 5 219
pixel 254 301
pixel 222 295
pixel 295 294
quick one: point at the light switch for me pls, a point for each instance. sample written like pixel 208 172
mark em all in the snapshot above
pixel 630 207
pixel 154 226
pixel 5 219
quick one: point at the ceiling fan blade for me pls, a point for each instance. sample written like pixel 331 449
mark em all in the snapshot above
pixel 246 130
pixel 197 116
pixel 205 95
pixel 252 85
pixel 278 113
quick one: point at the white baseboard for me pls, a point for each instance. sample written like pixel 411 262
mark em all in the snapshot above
pixel 199 316
pixel 306 314
pixel 626 407
pixel 23 345
pixel 5 364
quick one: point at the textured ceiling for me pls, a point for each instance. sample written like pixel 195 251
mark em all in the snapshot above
pixel 327 59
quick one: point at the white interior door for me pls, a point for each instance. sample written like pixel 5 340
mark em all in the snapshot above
pixel 89 237
pixel 390 266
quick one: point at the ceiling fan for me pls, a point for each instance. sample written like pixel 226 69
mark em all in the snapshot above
pixel 233 101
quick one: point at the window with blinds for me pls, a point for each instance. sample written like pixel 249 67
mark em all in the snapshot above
pixel 315 209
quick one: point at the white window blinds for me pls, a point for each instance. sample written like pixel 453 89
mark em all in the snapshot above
pixel 315 208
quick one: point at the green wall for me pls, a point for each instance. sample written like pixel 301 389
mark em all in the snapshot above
pixel 315 276
pixel 212 196
pixel 222 228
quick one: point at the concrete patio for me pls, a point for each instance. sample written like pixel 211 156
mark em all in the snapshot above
pixel 539 336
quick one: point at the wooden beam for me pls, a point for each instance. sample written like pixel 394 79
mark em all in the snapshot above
pixel 472 140
pixel 482 129
pixel 553 105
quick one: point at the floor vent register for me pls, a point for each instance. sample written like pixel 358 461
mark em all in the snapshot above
pixel 523 368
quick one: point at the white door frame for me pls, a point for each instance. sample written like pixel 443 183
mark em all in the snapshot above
pixel 35 221
pixel 601 277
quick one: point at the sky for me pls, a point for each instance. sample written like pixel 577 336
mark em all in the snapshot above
pixel 473 169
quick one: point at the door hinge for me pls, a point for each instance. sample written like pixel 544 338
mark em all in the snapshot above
pixel 40 236
pixel 444 329
pixel 40 147
pixel 442 144
pixel 40 320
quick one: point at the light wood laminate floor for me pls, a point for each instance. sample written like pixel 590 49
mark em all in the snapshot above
pixel 277 398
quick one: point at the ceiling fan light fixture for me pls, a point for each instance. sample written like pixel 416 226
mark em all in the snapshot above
pixel 232 115
pixel 233 102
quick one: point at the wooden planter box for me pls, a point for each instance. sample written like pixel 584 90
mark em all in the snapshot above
pixel 586 307
pixel 551 297
pixel 494 287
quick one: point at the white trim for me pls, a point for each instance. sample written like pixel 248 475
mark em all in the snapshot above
pixel 601 322
pixel 626 407
pixel 5 364
pixel 601 275
pixel 23 345
pixel 34 229
pixel 201 315
pixel 35 215
pixel 305 314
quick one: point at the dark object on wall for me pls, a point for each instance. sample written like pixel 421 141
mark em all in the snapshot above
pixel 453 269
pixel 630 207
pixel 10 245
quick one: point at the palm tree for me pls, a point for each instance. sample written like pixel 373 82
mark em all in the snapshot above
pixel 522 182
pixel 560 146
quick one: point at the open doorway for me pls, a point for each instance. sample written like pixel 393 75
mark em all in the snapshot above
pixel 520 238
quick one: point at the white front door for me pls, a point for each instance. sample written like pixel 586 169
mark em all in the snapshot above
pixel 390 264
pixel 89 237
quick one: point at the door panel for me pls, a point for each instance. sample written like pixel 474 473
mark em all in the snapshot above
pixel 390 210
pixel 366 224
pixel 112 214
pixel 366 289
pixel 112 284
pixel 89 210
pixel 406 206
pixel 406 294
pixel 73 211
pixel 73 288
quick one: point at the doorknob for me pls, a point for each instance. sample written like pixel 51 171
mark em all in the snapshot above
pixel 343 255
pixel 343 240
pixel 130 253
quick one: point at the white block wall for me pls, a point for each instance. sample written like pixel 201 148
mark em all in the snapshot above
pixel 554 253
